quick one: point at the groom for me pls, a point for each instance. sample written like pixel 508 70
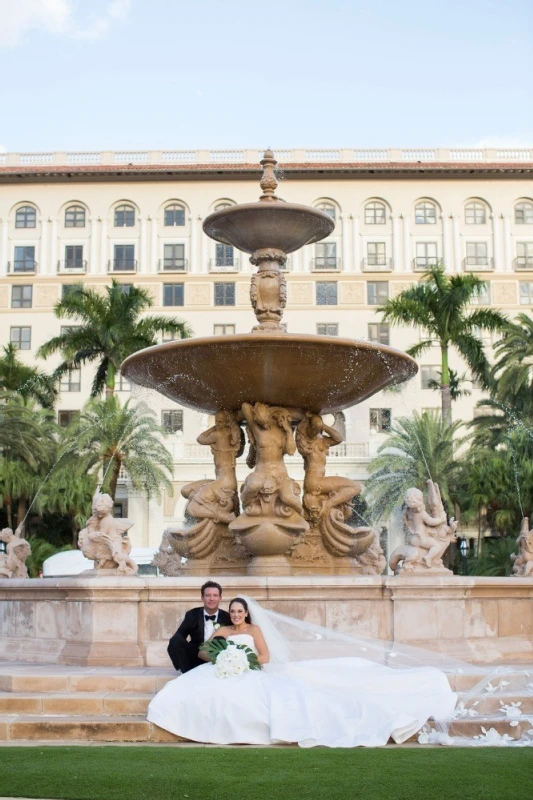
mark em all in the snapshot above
pixel 197 626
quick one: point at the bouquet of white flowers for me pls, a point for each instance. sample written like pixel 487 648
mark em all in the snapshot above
pixel 230 660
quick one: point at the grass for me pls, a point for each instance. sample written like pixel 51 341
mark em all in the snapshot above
pixel 198 773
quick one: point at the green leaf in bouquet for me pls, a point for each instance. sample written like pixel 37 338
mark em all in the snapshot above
pixel 214 647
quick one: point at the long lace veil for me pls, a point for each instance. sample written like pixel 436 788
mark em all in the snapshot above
pixel 495 699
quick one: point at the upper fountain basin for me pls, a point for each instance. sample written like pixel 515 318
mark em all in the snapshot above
pixel 268 224
pixel 319 373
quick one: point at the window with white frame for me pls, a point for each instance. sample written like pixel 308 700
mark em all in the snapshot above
pixel 523 213
pixel 124 258
pixel 174 215
pixel 25 217
pixel 376 254
pixel 425 213
pixel 477 254
pixel 173 294
pixel 24 260
pixel 426 255
pixel 20 337
pixel 326 293
pixel 124 216
pixel 66 418
pixel 71 380
pixel 75 217
pixel 481 296
pixel 21 296
pixel 172 421
pixel 224 294
pixel 327 328
pixel 475 213
pixel 74 256
pixel 223 330
pixel 378 332
pixel 326 255
pixel 174 257
pixel 524 255
pixel 224 255
pixel 380 420
pixel 328 208
pixel 377 292
pixel 429 374
pixel 375 213
pixel 526 293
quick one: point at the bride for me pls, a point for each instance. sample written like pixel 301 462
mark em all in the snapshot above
pixel 316 687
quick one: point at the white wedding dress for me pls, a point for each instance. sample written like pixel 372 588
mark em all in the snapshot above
pixel 333 702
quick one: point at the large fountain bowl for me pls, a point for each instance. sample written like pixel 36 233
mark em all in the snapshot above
pixel 319 373
pixel 272 224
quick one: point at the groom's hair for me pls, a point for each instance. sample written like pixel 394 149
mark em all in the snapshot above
pixel 211 585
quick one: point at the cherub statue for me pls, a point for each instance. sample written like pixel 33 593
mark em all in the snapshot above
pixel 523 561
pixel 12 562
pixel 429 534
pixel 102 539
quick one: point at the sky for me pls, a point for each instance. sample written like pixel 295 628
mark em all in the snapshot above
pixel 210 74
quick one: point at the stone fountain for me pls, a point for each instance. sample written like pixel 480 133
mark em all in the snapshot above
pixel 278 386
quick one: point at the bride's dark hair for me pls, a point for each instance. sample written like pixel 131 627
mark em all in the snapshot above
pixel 244 604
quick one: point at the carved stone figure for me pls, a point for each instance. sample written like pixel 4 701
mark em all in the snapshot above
pixel 268 289
pixel 429 534
pixel 103 540
pixel 523 561
pixel 12 562
pixel 327 499
pixel 271 520
pixel 212 503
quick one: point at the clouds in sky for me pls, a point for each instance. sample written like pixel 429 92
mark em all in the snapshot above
pixel 59 18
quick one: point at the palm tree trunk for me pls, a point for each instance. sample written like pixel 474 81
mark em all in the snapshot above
pixel 74 529
pixel 21 509
pixel 9 513
pixel 117 463
pixel 446 398
pixel 110 381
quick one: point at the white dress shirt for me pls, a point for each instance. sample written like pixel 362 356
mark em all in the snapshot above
pixel 209 624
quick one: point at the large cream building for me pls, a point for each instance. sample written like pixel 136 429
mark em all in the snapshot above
pixel 137 216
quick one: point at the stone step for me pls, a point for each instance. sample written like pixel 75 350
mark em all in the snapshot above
pixel 20 678
pixel 77 703
pixel 82 729
pixel 492 704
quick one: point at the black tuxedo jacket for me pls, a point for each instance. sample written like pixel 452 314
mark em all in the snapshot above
pixel 193 623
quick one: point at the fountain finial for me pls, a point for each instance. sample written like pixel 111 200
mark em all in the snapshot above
pixel 268 182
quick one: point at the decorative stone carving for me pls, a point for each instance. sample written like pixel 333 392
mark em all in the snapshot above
pixel 523 561
pixel 301 293
pixel 46 296
pixel 272 519
pixel 198 294
pixel 213 504
pixel 397 287
pixel 429 534
pixel 103 540
pixel 327 499
pixel 12 562
pixel 351 293
pixel 268 289
pixel 4 297
pixel 504 292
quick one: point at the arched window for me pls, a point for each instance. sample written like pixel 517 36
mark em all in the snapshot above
pixel 124 216
pixel 523 213
pixel 174 216
pixel 75 217
pixel 26 217
pixel 328 208
pixel 476 213
pixel 425 213
pixel 375 213
pixel 220 206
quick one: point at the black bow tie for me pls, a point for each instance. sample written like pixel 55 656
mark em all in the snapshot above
pixel 212 618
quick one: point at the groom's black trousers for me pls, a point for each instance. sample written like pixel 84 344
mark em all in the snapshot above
pixel 183 654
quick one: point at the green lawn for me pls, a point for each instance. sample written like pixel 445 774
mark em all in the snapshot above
pixel 197 773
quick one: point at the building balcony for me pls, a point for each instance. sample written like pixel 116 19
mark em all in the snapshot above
pixel 325 264
pixel 185 451
pixel 423 263
pixel 122 265
pixel 73 266
pixel 523 263
pixel 377 264
pixel 24 267
pixel 173 265
pixel 478 264
pixel 226 266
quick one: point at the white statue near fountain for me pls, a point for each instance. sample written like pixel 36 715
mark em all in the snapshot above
pixel 103 540
pixel 12 562
pixel 523 561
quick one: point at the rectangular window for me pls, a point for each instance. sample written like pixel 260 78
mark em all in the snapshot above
pixel 224 294
pixel 326 255
pixel 375 214
pixel 223 330
pixel 380 420
pixel 173 294
pixel 172 421
pixel 125 288
pixel 481 296
pixel 66 418
pixel 71 381
pixel 170 337
pixel 376 254
pixel 378 332
pixel 124 257
pixel 121 384
pixel 327 328
pixel 74 256
pixel 224 255
pixel 21 296
pixel 377 292
pixel 524 255
pixel 326 293
pixel 174 216
pixel 429 374
pixel 477 254
pixel 24 259
pixel 21 338
pixel 526 293
pixel 426 255
pixel 174 256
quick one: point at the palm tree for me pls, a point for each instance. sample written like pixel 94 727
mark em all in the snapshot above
pixel 438 305
pixel 29 382
pixel 20 430
pixel 107 329
pixel 112 437
pixel 418 448
pixel 514 359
